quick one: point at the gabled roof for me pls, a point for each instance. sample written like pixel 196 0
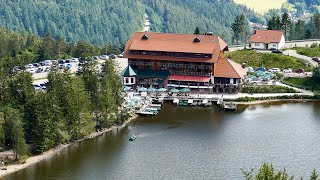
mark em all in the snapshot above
pixel 128 72
pixel 227 68
pixel 266 36
pixel 183 43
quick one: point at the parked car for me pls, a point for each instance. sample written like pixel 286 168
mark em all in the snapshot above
pixel 316 59
pixel 41 63
pixel 47 63
pixel 55 62
pixel 47 69
pixel 113 56
pixel 277 51
pixel 67 61
pixel 68 66
pixel 273 49
pixel 36 64
pixel 39 70
pixel 61 66
pixel 287 70
pixel 261 69
pixel 104 57
pixel 28 66
pixel 61 61
pixel 32 70
pixel 274 70
pixel 299 70
pixel 76 60
pixel 37 87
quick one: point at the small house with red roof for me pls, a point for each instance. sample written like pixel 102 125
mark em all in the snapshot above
pixel 267 39
pixel 178 61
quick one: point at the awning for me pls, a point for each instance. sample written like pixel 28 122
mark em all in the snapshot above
pixel 189 78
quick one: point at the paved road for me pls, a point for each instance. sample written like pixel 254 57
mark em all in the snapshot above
pixel 294 53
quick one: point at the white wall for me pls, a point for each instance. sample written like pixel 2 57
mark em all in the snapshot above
pixel 257 46
pixel 129 80
pixel 273 45
pixel 282 42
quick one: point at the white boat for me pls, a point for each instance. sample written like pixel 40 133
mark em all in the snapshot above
pixel 153 110
pixel 190 101
pixel 176 101
pixel 205 101
pixel 155 106
pixel 145 113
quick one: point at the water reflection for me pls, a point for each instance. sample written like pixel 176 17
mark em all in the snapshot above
pixel 195 143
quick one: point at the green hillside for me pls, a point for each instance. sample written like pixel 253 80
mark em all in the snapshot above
pixel 113 22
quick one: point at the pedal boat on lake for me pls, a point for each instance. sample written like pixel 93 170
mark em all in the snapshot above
pixel 132 137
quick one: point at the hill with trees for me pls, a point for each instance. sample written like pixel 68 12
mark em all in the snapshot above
pixel 113 22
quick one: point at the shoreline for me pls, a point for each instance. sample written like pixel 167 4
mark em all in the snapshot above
pixel 275 100
pixel 56 150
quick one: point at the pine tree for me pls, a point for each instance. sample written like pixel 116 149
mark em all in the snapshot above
pixel 197 31
pixel 285 24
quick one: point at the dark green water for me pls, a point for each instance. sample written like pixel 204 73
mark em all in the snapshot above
pixel 194 143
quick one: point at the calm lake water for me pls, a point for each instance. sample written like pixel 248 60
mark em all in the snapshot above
pixel 194 143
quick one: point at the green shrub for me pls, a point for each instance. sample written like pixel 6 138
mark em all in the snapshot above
pixel 268 89
pixel 246 99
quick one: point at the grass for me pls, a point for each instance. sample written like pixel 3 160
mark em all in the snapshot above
pixel 304 83
pixel 268 60
pixel 261 6
pixel 311 52
pixel 268 89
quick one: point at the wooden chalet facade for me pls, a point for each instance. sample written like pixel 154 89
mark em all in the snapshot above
pixel 183 60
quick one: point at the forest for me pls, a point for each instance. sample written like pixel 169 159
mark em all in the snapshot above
pixel 111 22
pixel 71 108
pixel 303 5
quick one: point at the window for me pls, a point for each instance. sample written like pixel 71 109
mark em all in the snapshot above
pixel 273 45
pixel 127 80
pixel 144 53
pixel 197 55
pixel 132 80
pixel 257 44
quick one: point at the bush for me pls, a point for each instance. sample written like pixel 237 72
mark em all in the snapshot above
pixel 309 83
pixel 246 99
pixel 268 89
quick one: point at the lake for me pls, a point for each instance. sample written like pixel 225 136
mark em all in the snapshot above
pixel 194 143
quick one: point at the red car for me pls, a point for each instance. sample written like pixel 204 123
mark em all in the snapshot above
pixel 299 70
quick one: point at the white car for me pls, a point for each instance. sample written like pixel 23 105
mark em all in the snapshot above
pixel 47 62
pixel 76 60
pixel 288 70
pixel 31 70
pixel 29 66
pixel 274 70
pixel 104 57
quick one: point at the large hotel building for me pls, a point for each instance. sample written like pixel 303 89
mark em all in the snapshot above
pixel 181 60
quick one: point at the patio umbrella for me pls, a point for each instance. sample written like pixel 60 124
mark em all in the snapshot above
pixel 174 90
pixel 151 89
pixel 185 90
pixel 162 90
pixel 126 88
pixel 142 89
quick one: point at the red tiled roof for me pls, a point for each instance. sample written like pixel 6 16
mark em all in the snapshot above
pixel 189 78
pixel 227 68
pixel 266 36
pixel 164 42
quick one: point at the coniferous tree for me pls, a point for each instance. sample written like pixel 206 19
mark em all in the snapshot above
pixel 285 24
pixel 197 30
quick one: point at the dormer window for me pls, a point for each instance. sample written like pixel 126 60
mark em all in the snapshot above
pixel 145 37
pixel 197 39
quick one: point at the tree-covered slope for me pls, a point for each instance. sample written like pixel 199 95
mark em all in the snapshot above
pixel 113 22
pixel 97 21
pixel 184 15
